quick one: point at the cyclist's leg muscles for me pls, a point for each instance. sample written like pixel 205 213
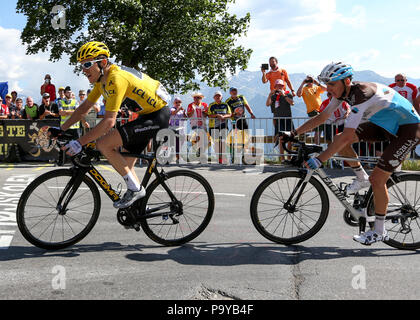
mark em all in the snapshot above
pixel 109 146
pixel 391 159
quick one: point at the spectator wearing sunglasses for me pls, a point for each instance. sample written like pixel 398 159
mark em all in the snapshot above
pixel 48 87
pixel 404 88
pixel 48 109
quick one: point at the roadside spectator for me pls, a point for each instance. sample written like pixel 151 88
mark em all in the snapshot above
pixel 89 120
pixel 11 106
pixel 30 111
pixel 176 123
pixel 238 104
pixel 17 112
pixel 276 73
pixel 196 111
pixel 280 102
pixel 310 90
pixel 14 97
pixel 48 109
pixel 335 124
pixel 48 87
pixel 66 108
pixel 407 90
pixel 218 112
pixel 61 96
pixel 4 110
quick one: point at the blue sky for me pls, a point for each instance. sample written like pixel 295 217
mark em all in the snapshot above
pixel 305 35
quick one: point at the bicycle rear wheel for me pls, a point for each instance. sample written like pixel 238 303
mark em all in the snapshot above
pixel 284 225
pixel 403 222
pixel 181 220
pixel 40 219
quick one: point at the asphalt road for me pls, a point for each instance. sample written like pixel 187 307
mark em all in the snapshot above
pixel 229 260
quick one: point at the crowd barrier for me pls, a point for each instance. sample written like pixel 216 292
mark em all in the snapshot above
pixel 27 140
pixel 228 145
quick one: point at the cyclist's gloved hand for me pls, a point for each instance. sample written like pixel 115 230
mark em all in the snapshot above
pixel 73 147
pixel 313 163
pixel 55 132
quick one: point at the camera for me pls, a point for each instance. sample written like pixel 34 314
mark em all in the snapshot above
pixel 264 66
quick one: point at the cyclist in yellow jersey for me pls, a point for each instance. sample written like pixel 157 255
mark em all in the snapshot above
pixel 140 94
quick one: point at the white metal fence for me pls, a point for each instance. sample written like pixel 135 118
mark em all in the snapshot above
pixel 233 145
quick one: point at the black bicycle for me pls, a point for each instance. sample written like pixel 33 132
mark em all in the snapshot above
pixel 292 206
pixel 60 208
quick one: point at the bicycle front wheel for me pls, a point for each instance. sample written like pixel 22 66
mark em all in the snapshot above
pixel 276 220
pixel 41 219
pixel 180 220
pixel 403 221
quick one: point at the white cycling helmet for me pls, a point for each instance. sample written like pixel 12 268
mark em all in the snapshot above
pixel 335 71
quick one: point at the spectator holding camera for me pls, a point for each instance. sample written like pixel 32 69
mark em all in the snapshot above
pixel 280 102
pixel 310 90
pixel 275 74
pixel 48 87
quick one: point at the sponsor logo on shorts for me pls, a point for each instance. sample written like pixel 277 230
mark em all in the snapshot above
pixel 146 129
pixel 405 149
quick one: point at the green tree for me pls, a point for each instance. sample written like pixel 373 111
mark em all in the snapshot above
pixel 174 41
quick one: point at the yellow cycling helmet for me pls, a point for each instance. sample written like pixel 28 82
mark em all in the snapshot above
pixel 92 50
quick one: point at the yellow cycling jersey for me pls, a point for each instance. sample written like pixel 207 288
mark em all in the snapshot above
pixel 140 94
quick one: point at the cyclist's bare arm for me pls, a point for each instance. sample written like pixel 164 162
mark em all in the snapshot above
pixel 319 119
pixel 342 142
pixel 77 115
pixel 102 128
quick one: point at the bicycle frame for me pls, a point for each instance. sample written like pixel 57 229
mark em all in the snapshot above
pixel 80 170
pixel 341 195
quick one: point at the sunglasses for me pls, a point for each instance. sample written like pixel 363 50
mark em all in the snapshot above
pixel 401 80
pixel 89 64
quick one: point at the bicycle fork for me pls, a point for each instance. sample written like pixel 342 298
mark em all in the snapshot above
pixel 69 191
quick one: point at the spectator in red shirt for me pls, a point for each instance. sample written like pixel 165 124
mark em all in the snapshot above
pixel 48 87
pixel 197 111
pixel 407 90
pixel 335 124
pixel 4 110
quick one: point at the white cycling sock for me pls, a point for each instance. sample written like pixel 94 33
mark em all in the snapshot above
pixel 379 224
pixel 132 183
pixel 360 173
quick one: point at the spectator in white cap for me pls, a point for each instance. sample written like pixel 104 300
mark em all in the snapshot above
pixel 219 112
pixel 197 111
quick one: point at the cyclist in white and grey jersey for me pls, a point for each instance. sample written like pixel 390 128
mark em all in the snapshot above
pixel 378 114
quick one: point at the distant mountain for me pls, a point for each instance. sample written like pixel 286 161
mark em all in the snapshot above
pixel 250 85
